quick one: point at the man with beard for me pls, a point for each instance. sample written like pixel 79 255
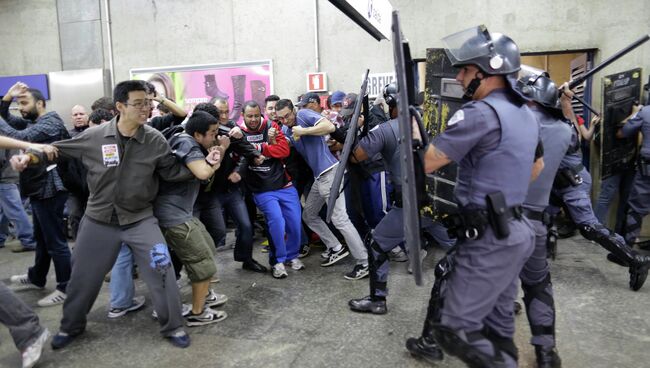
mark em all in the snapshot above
pixel 44 188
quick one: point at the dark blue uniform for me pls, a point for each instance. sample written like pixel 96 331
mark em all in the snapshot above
pixel 493 140
pixel 578 203
pixel 535 276
pixel 639 199
pixel 389 233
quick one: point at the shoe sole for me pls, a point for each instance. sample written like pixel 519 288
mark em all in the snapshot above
pixel 15 287
pixel 42 339
pixel 366 274
pixel 282 276
pixel 132 308
pixel 223 316
pixel 330 263
pixel 49 303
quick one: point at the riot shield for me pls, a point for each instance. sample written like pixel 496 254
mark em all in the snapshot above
pixel 348 146
pixel 620 92
pixel 405 83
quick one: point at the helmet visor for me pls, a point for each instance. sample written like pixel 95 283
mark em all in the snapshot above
pixel 467 45
pixel 529 74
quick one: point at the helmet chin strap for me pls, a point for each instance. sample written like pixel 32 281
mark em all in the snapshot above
pixel 473 86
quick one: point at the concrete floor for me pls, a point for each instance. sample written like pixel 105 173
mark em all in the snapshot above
pixel 304 321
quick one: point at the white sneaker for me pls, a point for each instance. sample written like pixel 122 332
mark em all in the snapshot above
pixel 296 264
pixel 185 310
pixel 32 354
pixel 136 303
pixel 215 299
pixel 279 272
pixel 21 282
pixel 55 298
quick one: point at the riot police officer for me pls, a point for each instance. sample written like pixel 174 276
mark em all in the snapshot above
pixel 639 199
pixel 389 232
pixel 535 276
pixel 571 186
pixel 493 139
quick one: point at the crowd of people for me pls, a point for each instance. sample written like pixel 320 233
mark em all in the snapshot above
pixel 152 194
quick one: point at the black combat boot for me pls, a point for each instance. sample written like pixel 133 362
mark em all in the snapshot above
pixel 424 348
pixel 368 305
pixel 547 357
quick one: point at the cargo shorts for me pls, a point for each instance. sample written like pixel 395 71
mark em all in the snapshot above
pixel 194 247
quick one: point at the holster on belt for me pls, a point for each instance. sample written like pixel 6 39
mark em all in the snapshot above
pixel 568 177
pixel 498 214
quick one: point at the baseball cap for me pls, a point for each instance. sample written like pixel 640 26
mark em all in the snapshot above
pixel 337 97
pixel 307 98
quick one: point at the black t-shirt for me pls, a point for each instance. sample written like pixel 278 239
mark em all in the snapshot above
pixel 175 201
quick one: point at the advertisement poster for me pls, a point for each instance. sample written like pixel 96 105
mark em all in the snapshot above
pixel 191 85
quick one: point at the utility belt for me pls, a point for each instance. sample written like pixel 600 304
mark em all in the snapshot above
pixel 569 177
pixel 472 223
pixel 644 166
pixel 541 216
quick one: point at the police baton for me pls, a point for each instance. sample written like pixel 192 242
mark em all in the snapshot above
pixel 576 82
pixel 347 149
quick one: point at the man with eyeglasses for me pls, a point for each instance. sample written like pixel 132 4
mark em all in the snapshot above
pixel 44 188
pixel 125 159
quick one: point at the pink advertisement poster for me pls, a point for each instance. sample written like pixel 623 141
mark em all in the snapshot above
pixel 191 85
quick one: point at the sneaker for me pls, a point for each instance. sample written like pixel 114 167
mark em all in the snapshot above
pixel 21 248
pixel 304 251
pixel 215 299
pixel 358 272
pixel 325 254
pixel 136 303
pixel 180 339
pixel 398 255
pixel 279 272
pixel 32 354
pixel 334 256
pixel 296 264
pixel 185 310
pixel 61 340
pixel 21 282
pixel 55 298
pixel 207 317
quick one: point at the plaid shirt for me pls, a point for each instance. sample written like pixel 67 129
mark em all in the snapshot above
pixel 46 129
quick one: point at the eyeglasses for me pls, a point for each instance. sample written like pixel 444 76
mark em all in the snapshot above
pixel 139 105
pixel 282 118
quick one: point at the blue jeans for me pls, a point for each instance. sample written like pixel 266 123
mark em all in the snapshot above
pixel 12 209
pixel 122 288
pixel 51 244
pixel 281 209
pixel 233 204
